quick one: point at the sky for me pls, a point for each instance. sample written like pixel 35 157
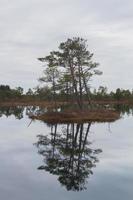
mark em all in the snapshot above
pixel 32 28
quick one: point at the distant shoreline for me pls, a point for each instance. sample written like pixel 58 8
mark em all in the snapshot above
pixel 59 103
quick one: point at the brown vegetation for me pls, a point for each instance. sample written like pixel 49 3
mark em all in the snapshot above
pixel 59 103
pixel 78 116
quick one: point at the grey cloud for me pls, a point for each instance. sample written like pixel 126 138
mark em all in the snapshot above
pixel 31 28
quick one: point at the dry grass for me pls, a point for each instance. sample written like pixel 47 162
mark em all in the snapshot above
pixel 50 104
pixel 78 116
pixel 31 103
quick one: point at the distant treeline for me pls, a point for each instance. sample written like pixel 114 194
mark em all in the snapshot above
pixel 101 93
pixel 46 94
pixel 7 93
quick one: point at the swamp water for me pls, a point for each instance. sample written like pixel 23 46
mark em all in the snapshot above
pixel 71 161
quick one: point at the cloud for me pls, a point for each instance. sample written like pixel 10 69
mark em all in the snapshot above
pixel 30 29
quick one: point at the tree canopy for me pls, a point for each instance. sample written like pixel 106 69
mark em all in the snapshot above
pixel 70 69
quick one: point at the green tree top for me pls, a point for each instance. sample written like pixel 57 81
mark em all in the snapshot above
pixel 77 68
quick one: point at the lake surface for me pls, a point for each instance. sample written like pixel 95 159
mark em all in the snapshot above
pixel 63 162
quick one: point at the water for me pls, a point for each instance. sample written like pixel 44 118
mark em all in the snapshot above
pixel 91 161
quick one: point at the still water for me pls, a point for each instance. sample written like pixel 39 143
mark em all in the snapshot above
pixel 71 161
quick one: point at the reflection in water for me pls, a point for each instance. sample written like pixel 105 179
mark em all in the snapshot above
pixel 68 154
pixel 124 109
pixel 20 180
pixel 17 111
pixel 34 110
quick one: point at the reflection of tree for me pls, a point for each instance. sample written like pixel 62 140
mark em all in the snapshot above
pixel 35 110
pixel 68 155
pixel 17 111
pixel 124 109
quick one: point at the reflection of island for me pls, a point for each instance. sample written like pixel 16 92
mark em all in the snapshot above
pixel 68 155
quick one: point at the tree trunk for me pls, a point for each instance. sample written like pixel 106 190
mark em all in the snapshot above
pixel 74 85
pixel 86 87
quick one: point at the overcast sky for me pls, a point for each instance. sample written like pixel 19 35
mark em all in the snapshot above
pixel 31 28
